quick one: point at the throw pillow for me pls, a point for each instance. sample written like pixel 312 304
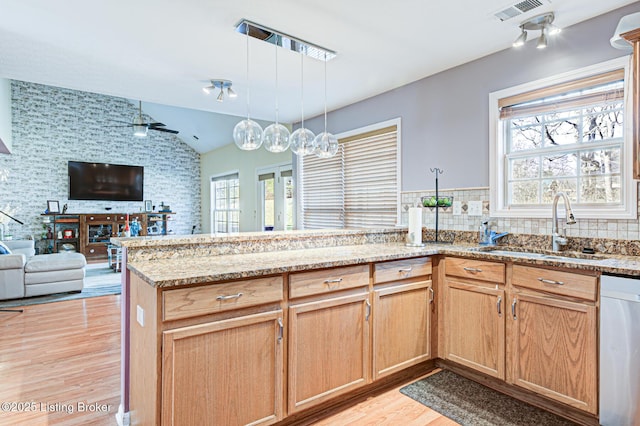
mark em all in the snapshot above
pixel 4 249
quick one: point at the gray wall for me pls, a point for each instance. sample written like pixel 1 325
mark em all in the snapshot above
pixel 52 126
pixel 445 117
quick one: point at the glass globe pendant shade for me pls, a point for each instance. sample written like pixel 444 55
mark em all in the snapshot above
pixel 276 138
pixel 303 142
pixel 247 135
pixel 326 145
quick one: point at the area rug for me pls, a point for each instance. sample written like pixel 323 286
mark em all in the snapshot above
pixel 100 280
pixel 472 404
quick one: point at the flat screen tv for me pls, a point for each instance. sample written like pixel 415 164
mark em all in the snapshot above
pixel 100 181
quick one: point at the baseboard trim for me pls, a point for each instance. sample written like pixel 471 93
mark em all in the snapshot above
pixel 122 418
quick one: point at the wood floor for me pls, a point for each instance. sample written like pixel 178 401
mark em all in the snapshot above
pixel 61 361
pixel 388 409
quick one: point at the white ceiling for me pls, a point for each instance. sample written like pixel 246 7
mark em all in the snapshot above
pixel 163 52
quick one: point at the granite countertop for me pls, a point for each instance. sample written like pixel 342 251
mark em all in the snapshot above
pixel 200 269
pixel 194 239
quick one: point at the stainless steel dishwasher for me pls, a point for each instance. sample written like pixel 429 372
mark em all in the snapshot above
pixel 619 351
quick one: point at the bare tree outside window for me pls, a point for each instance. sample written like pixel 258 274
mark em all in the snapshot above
pixel 576 149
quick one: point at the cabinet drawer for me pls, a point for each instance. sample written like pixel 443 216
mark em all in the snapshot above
pixel 556 282
pixel 328 280
pixel 401 269
pixel 475 269
pixel 194 301
pixel 100 217
pixel 96 250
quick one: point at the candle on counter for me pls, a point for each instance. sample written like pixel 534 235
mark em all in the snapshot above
pixel 414 235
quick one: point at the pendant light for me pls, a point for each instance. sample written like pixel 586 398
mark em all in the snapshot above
pixel 248 134
pixel 276 137
pixel 302 140
pixel 326 144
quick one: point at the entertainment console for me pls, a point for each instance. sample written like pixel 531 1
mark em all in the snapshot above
pixel 89 233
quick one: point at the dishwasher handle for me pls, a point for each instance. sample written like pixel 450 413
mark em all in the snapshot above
pixel 630 297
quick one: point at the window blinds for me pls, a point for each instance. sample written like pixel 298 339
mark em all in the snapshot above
pixel 358 188
pixel 601 88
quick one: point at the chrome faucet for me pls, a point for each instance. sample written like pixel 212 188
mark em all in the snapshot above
pixel 558 240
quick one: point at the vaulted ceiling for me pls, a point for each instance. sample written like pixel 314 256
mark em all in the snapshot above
pixel 164 52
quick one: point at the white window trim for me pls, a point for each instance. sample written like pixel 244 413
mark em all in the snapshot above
pixel 372 127
pixel 497 146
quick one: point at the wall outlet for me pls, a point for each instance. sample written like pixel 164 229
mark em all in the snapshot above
pixel 457 208
pixel 475 208
pixel 140 315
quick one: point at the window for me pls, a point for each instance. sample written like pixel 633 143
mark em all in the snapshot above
pixel 225 203
pixel 570 136
pixel 276 198
pixel 359 186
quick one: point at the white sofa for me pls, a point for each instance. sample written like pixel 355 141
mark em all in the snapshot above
pixel 22 274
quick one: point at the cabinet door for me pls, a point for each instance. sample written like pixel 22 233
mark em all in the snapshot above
pixel 401 327
pixel 475 327
pixel 328 349
pixel 224 373
pixel 555 349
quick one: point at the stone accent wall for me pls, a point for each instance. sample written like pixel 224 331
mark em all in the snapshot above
pixel 584 228
pixel 52 125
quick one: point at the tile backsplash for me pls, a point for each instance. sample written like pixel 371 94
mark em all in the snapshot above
pixel 585 228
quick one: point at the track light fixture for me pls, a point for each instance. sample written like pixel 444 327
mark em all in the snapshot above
pixel 224 86
pixel 542 23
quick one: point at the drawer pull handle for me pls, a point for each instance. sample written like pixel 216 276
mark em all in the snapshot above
pixel 335 280
pixel 474 270
pixel 546 281
pixel 231 296
pixel 405 270
pixel 431 295
pixel 499 306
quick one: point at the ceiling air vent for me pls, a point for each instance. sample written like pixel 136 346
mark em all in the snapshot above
pixel 518 9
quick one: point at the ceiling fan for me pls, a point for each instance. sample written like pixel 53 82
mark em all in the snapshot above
pixel 140 127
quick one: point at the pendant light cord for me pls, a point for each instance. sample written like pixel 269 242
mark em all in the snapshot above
pixel 302 88
pixel 248 81
pixel 276 47
pixel 325 92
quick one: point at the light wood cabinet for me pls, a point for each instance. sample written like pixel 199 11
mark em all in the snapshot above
pixel 554 338
pixel 633 37
pixel 401 326
pixel 328 348
pixel 475 328
pixel 474 315
pixel 402 300
pixel 537 331
pixel 225 372
pixel 196 360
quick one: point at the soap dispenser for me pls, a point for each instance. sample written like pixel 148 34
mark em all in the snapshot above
pixel 484 233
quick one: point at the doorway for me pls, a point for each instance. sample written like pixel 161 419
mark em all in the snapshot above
pixel 276 204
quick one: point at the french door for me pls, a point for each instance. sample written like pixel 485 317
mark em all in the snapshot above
pixel 276 192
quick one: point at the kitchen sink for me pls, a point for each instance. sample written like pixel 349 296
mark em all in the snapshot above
pixel 520 252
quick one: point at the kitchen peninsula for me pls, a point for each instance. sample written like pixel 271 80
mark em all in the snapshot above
pixel 246 328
